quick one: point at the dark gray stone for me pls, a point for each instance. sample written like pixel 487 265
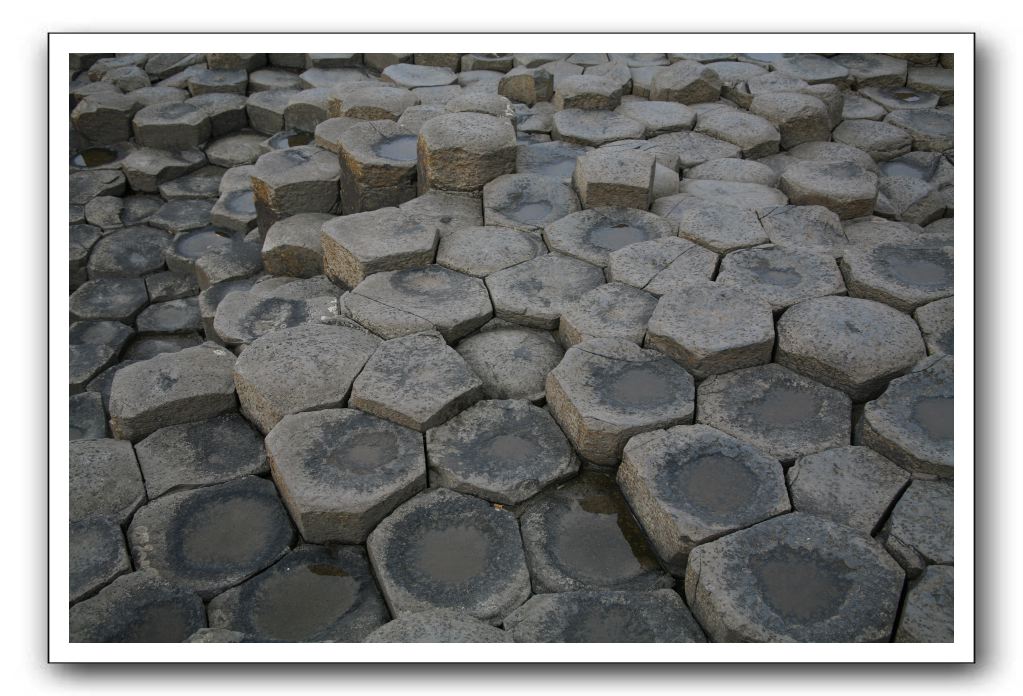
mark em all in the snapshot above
pixel 937 324
pixel 511 361
pixel 903 276
pixel 114 299
pixel 527 201
pixel 97 556
pixel 536 292
pixel 438 626
pixel 170 317
pixel 389 239
pixel 104 480
pixel 782 277
pixel 661 265
pixel 920 530
pixel 480 251
pixel 87 417
pixel 592 235
pixel 928 614
pixel 133 251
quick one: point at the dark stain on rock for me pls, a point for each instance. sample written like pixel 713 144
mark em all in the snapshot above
pixel 801 586
pixel 936 416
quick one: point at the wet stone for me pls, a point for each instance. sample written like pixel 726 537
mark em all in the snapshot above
pixel 480 251
pixel 104 118
pixel 527 201
pixel 661 265
pixel 936 322
pixel 89 183
pixel 94 345
pixel 235 211
pixel 87 418
pixel 314 594
pixel 242 317
pixel 882 141
pixel 536 292
pixel 852 485
pixel 132 251
pixel 778 411
pixel 511 362
pixel 168 285
pixel 614 310
pixel 927 615
pixel 594 128
pixel 147 168
pixel 296 180
pixel 912 422
pixel 212 538
pixel 174 126
pixel 341 471
pixel 378 166
pixel 416 381
pixel 930 129
pixel 113 299
pixel 172 388
pixel 919 533
pixel 300 368
pixel 502 451
pixel 284 139
pixel 582 535
pixel 186 248
pixel 104 480
pixel 200 453
pixel 605 391
pixel 555 159
pixel 902 276
pixel 851 344
pixel 204 183
pixel 182 215
pixel 148 346
pixel 140 607
pixel 463 151
pixel 444 549
pixel 593 616
pixel 782 277
pixel 718 228
pixel 438 626
pixel 797 577
pixel 172 316
pixel 228 262
pixel 691 484
pixel 97 556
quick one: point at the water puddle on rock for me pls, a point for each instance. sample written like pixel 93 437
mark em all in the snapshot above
pixel 784 407
pixel 452 555
pixel 615 236
pixel 799 585
pixel 636 386
pixel 287 139
pixel 241 202
pixel 399 148
pixel 912 267
pixel 935 416
pixel 160 622
pixel 227 532
pixel 511 449
pixel 716 484
pixel 94 157
pixel 530 212
pixel 363 453
pixel 192 245
pixel 302 601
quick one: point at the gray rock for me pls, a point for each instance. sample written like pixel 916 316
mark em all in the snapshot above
pixel 658 117
pixel 104 480
pixel 556 159
pixel 416 381
pixel 292 246
pixel 235 150
pixel 900 99
pixel 591 91
pixel 438 626
pixel 242 317
pixel 192 384
pixel 755 136
pixel 389 239
pixel 873 69
pixel 882 141
pixel 782 277
pixel 927 615
pixel 201 453
pixel 797 577
pixel 115 299
pixel 140 607
pixel 463 151
pixel 834 152
pixel 776 410
pixel 933 79
pixel 97 556
pixel 685 82
pixel 172 316
pixel 266 102
pixel 447 210
pixel 733 169
pixel 327 134
pixel 843 187
pixel 228 262
pixel 512 362
pixel 937 324
pixel 592 235
pixel 709 328
pixel 212 538
pixel 104 118
pixel 94 345
pixel 720 228
pixel 856 107
pixel 618 178
pixel 147 168
pixel 306 109
pixel 733 193
pixel 296 180
pixel 168 285
pixel 227 112
pixel 129 252
pixel 527 201
pixel 501 62
pixel 88 184
pixel 341 471
pixel 448 550
pixel 173 126
pixel 148 346
pixel 851 344
pixel 920 530
pixel 218 81
pixel 314 594
pixel 812 68
pixel 182 253
pixel 235 211
pixel 378 166
pixel 930 129
pixel 216 635
pixel 480 251
pixel 536 292
pixel 87 418
pixel 691 484
pixel 594 128
pixel 900 275
pixel 852 485
pixel 809 228
pixel 661 265
pixel 614 310
pixel 370 101
pixel 526 85
pixel 502 451
pixel 593 616
pixel 799 118
pixel 605 391
pixel 410 75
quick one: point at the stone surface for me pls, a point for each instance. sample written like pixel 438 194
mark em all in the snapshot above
pixel 593 235
pixel 928 615
pixel 242 317
pixel 854 345
pixel 754 135
pixel 97 556
pixel 808 228
pixel 615 178
pixel 463 151
pixel 843 187
pixel 536 292
pixel 685 82
pixel 104 480
pixel 799 118
pixel 443 549
pixel 527 201
pixel 389 239
pixel 511 361
pixel 129 252
pixel 720 228
pixel 480 251
pixel 438 626
pixel 937 324
pixel 87 418
pixel 797 578
pixel 882 141
pixel 502 451
pixel 782 277
pixel 292 246
pixel 661 265
pixel 296 180
pixel 594 128
pixel 658 117
pixel 171 126
pixel 378 165
pixel 605 391
pixel 919 532
pixel 614 310
pixel 903 276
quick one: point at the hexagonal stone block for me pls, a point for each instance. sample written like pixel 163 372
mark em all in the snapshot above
pixel 733 193
pixel 104 480
pixel 843 187
pixel 526 85
pixel 658 117
pixel 536 292
pixel 245 315
pixel 733 169
pixel 292 246
pixel 200 454
pixel 620 178
pixel 170 317
pixel 104 118
pixel 873 69
pixel 114 299
pixel 463 151
pixel 555 159
pixel 937 324
pixel 614 310
pixel 139 607
pixel 227 112
pixel 920 530
pixel 586 92
pixel 591 235
pixel 685 82
pixel 173 126
pixel 912 422
pixel 313 594
pixel 480 251
pixel 378 165
pixel 133 251
pixel 212 538
pixel 147 168
pixel 754 135
pixel 356 246
pixel 87 420
pixel 502 451
pixel 443 549
pixel 265 108
pixel 809 228
pixel 882 141
pixel 438 626
pixel 301 368
pixel 341 471
pixel 582 535
pixel 605 391
pixel 928 615
pixel 594 127
pixel 511 361
pixel 661 265
pixel 527 201
pixel 710 328
pixel 716 227
pixel 904 276
pixel 94 346
pixel 799 118
pixel 776 410
pixel 797 577
pixel 182 254
pixel 397 303
pixel 296 180
pixel 97 556
pixel 782 277
pixel 854 345
pixel 417 381
pixel 691 484
pixel 593 616
pixel 931 129
pixel 171 388
pixel 852 485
